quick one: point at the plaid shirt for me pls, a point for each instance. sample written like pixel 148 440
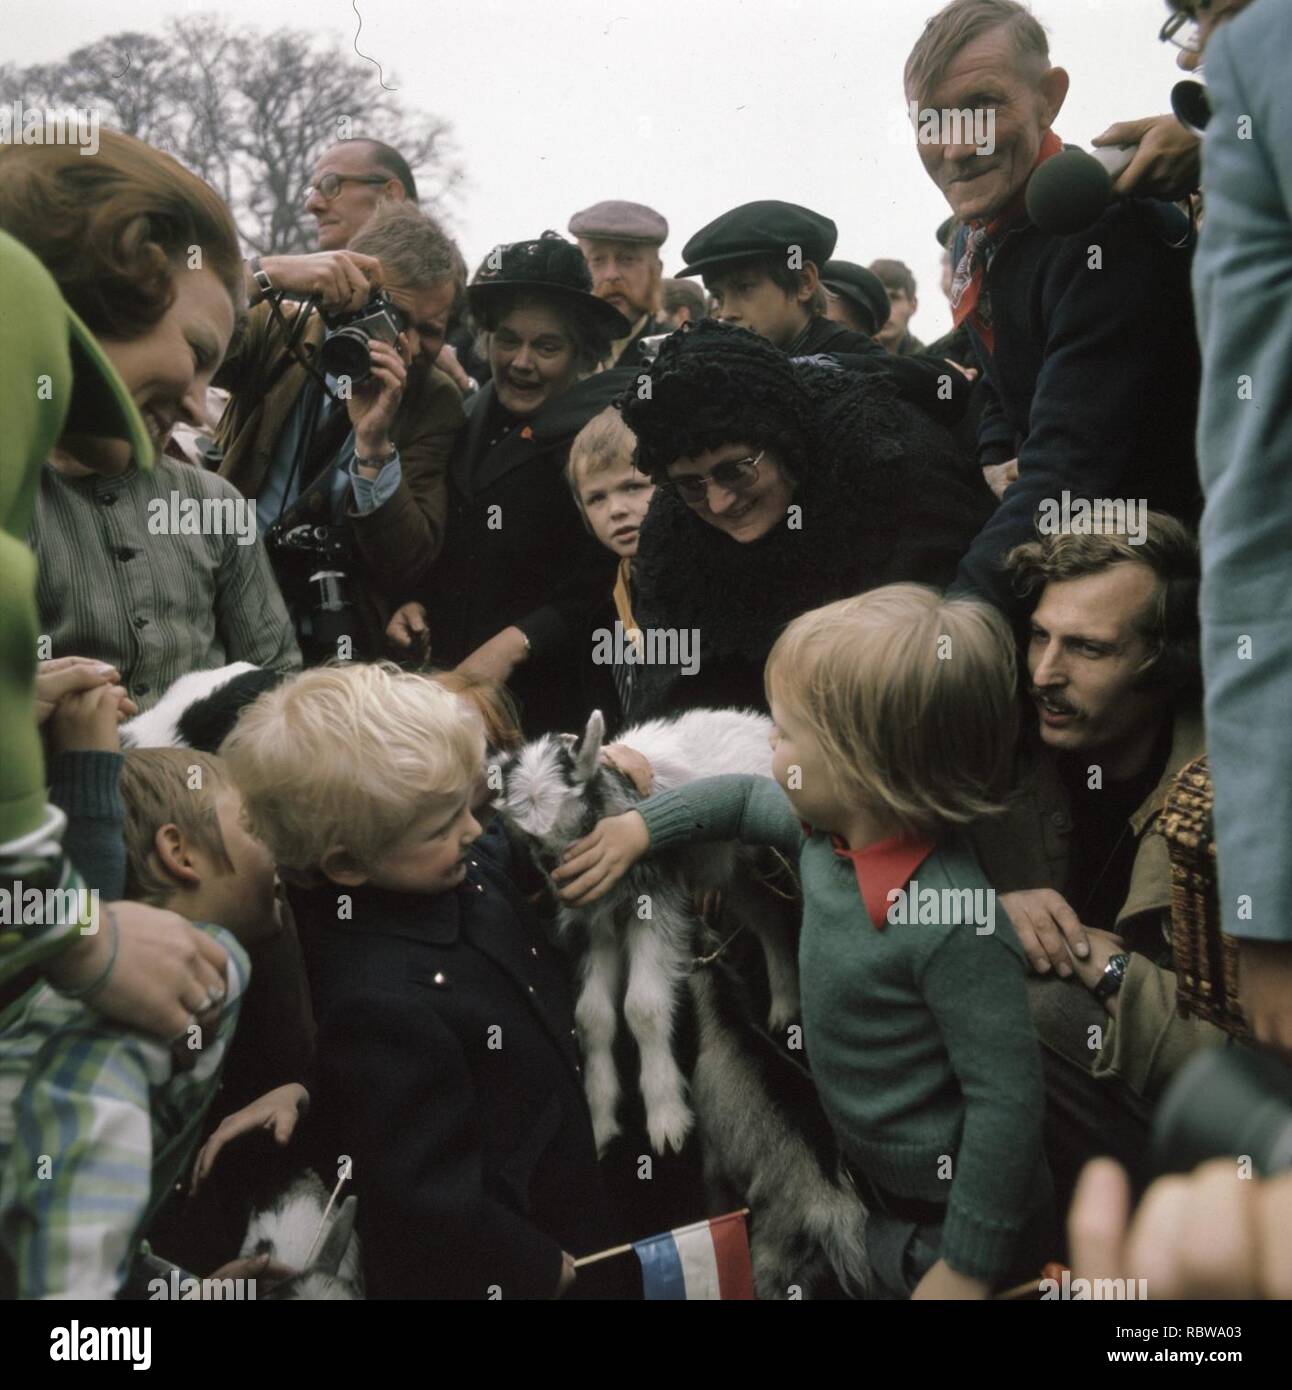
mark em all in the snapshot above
pixel 96 1126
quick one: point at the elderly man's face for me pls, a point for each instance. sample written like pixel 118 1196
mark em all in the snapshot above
pixel 988 75
pixel 624 273
pixel 363 186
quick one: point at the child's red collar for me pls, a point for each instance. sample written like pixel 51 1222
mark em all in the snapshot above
pixel 881 868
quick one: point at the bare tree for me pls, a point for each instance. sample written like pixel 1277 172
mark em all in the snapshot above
pixel 250 113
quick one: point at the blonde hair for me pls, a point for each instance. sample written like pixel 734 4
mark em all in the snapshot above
pixel 957 25
pixel 349 757
pixel 911 698
pixel 168 786
pixel 605 442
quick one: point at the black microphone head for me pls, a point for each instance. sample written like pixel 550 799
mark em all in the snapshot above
pixel 1068 192
pixel 1192 105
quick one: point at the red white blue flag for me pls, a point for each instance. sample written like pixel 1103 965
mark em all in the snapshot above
pixel 707 1260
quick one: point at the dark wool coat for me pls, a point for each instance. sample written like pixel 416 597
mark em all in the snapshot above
pixel 1093 384
pixel 939 390
pixel 473 1157
pixel 884 502
pixel 517 551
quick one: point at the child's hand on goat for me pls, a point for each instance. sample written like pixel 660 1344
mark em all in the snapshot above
pixel 277 1111
pixel 592 866
pixel 634 765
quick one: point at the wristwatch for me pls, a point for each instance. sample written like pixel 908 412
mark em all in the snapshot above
pixel 263 283
pixel 1111 980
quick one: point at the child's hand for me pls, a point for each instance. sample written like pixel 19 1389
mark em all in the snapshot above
pixel 66 674
pixel 592 866
pixel 277 1111
pixel 634 765
pixel 943 1282
pixel 86 721
pixel 266 1273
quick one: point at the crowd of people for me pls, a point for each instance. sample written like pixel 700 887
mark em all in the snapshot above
pixel 998 596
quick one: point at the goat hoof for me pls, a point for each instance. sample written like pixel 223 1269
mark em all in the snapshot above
pixel 668 1126
pixel 604 1133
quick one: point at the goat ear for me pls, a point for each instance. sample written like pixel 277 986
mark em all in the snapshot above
pixel 589 753
pixel 337 1239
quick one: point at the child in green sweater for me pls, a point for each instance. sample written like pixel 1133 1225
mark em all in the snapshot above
pixel 894 718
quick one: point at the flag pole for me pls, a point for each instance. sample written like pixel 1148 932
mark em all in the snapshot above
pixel 624 1249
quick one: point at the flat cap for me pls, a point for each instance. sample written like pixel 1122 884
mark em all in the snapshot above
pixel 764 228
pixel 619 221
pixel 861 287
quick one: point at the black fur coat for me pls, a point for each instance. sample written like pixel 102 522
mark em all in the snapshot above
pixel 884 500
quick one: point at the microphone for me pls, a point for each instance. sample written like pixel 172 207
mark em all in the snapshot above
pixel 1071 190
pixel 1192 106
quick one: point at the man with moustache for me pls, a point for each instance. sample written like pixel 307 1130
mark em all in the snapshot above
pixel 620 242
pixel 372 467
pixel 1087 341
pixel 1115 682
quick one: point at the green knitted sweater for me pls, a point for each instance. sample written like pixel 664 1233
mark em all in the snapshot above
pixel 919 1035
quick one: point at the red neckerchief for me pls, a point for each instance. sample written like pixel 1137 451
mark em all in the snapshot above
pixel 968 293
pixel 882 867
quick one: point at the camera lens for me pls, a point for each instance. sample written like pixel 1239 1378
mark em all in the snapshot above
pixel 345 353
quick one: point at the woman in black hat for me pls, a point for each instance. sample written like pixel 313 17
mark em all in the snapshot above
pixel 784 485
pixel 519 575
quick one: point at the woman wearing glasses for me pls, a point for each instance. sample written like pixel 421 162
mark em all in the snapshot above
pixel 511 596
pixel 783 486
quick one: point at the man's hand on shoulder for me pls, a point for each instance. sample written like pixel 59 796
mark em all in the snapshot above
pixel 343 279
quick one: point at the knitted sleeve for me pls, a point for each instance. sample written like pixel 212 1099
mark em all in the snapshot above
pixel 748 808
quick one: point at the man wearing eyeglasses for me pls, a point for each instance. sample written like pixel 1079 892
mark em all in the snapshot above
pixel 368 466
pixel 1167 160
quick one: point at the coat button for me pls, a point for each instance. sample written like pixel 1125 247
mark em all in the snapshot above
pixel 530 988
pixel 479 887
pixel 439 977
pixel 533 950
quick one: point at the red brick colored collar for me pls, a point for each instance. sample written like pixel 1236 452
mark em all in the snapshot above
pixel 882 867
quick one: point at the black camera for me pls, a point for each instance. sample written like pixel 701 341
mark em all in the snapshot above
pixel 313 566
pixel 345 350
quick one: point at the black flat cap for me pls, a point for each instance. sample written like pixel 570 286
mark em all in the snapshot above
pixel 765 228
pixel 860 287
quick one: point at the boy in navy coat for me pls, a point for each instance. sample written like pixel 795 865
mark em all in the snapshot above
pixel 449 1083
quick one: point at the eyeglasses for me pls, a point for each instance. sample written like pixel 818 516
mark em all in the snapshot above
pixel 1181 29
pixel 732 475
pixel 330 184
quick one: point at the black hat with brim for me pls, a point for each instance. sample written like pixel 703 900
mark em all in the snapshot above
pixel 767 227
pixel 549 266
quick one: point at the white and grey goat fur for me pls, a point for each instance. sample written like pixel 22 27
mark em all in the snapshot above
pixel 765 1141
pixel 641 937
pixel 295 1228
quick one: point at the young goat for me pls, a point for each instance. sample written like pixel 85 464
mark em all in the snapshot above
pixel 641 937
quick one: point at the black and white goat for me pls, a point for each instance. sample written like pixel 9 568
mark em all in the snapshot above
pixel 641 937
pixel 200 709
pixel 303 1230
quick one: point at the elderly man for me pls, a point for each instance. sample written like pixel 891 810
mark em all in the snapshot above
pixel 1087 341
pixel 620 242
pixel 1114 677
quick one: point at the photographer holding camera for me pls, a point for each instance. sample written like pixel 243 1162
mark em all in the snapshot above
pixel 340 426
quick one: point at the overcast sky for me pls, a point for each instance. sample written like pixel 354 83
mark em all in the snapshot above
pixel 691 106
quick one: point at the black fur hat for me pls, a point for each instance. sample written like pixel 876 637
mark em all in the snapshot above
pixel 715 384
pixel 550 265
